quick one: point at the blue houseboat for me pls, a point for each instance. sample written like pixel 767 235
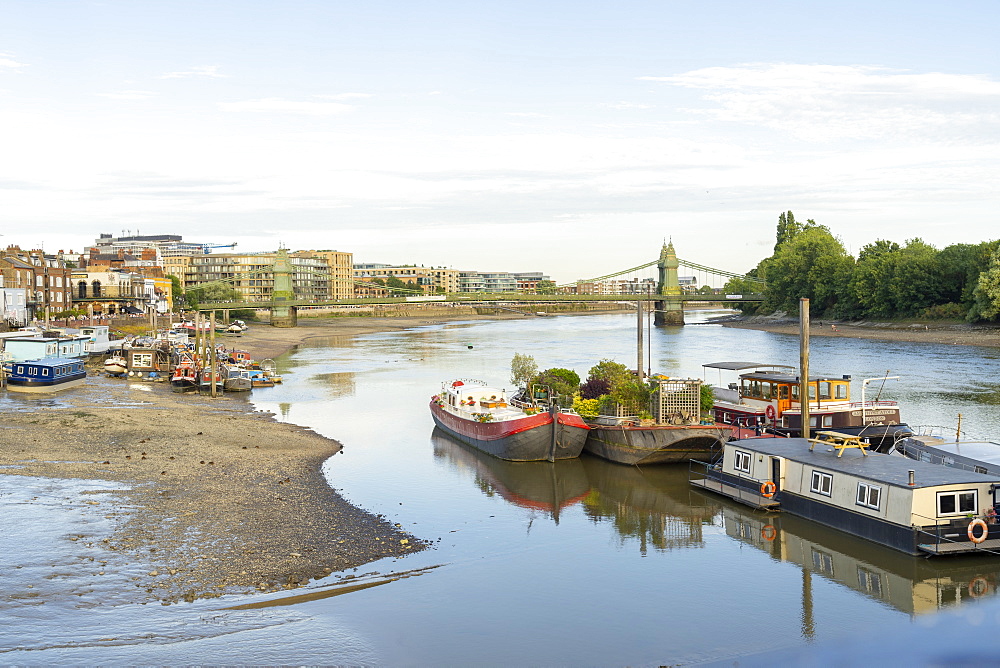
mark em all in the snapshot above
pixel 909 505
pixel 50 374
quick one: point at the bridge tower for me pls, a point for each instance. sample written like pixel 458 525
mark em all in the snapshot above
pixel 669 312
pixel 282 313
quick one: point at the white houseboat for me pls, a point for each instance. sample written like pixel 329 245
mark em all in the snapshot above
pixel 912 506
pixel 33 347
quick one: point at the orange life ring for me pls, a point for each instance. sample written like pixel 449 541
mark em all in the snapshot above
pixel 769 533
pixel 972 531
pixel 767 489
pixel 978 587
pixel 769 412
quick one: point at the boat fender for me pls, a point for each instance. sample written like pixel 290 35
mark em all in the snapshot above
pixel 972 531
pixel 768 488
pixel 769 533
pixel 769 412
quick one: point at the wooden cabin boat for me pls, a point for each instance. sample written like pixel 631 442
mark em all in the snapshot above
pixel 912 506
pixel 674 434
pixel 236 379
pixel 147 363
pixel 50 374
pixel 768 395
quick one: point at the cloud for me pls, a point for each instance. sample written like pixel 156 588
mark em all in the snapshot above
pixel 129 95
pixel 7 61
pixel 835 102
pixel 211 71
pixel 274 105
pixel 345 96
pixel 626 105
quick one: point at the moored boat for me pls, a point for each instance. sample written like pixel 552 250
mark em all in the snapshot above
pixel 767 396
pixel 482 416
pixel 236 379
pixel 116 365
pixel 675 433
pixel 49 374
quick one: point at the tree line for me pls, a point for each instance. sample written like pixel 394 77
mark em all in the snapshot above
pixel 886 281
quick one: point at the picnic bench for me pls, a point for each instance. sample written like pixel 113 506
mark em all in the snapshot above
pixel 839 441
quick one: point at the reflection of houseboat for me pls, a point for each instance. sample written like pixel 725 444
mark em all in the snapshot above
pixel 914 586
pixel 908 505
pixel 545 486
pixel 482 416
pixel 769 395
pixel 50 374
pixel 674 434
pixel 653 504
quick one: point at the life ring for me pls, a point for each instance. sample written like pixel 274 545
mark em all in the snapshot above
pixel 978 587
pixel 768 488
pixel 769 533
pixel 769 412
pixel 972 531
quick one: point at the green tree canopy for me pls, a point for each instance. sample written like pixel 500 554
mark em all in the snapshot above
pixel 987 292
pixel 813 264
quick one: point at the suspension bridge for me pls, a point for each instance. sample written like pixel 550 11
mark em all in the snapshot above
pixel 657 282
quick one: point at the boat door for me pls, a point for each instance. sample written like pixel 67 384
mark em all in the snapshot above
pixel 776 473
pixel 784 400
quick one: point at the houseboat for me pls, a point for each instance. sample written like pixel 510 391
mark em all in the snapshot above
pixel 483 417
pixel 50 374
pixel 34 347
pixel 767 395
pixel 909 505
pixel 674 433
pixel 99 339
pixel 978 456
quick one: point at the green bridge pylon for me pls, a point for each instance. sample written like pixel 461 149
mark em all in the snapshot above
pixel 668 311
pixel 283 313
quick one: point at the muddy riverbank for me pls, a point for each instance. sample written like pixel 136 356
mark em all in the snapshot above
pixel 942 333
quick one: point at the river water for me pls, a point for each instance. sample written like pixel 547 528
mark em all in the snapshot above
pixel 581 562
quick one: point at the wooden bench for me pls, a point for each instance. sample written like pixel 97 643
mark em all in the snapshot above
pixel 839 441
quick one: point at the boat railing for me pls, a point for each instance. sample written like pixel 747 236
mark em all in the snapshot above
pixel 874 404
pixel 708 475
pixel 937 532
pixel 938 431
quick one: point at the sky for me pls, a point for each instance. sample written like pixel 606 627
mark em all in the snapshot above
pixel 570 138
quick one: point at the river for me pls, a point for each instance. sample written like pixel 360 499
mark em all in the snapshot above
pixel 581 562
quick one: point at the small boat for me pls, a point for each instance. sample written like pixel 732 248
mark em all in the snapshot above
pixel 675 433
pixel 184 376
pixel 768 396
pixel 909 505
pixel 207 376
pixel 234 329
pixel 978 456
pixel 482 417
pixel 236 379
pixel 49 374
pixel 116 365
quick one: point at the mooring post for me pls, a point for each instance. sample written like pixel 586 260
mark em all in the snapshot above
pixel 804 364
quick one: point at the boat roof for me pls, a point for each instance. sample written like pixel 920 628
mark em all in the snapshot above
pixel 787 377
pixel 740 366
pixel 887 469
pixel 983 451
pixel 51 361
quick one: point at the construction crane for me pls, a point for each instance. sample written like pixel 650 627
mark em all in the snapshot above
pixel 209 247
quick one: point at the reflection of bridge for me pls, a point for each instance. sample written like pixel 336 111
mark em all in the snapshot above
pixel 664 290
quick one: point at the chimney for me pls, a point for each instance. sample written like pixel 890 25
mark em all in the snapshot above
pixel 910 472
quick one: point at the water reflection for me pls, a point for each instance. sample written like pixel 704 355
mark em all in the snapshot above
pixel 545 486
pixel 336 385
pixel 910 584
pixel 654 505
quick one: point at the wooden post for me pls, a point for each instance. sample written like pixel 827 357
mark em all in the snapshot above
pixel 212 356
pixel 958 429
pixel 641 364
pixel 804 364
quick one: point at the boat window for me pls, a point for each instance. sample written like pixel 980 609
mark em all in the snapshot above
pixel 957 503
pixel 841 390
pixel 869 496
pixel 980 469
pixel 766 391
pixel 827 420
pixel 822 561
pixel 45 372
pixel 20 370
pixel 142 359
pixel 812 392
pixel 824 390
pixel 742 462
pixel 783 392
pixel 822 483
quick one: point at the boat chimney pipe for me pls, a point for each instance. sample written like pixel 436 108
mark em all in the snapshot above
pixel 910 472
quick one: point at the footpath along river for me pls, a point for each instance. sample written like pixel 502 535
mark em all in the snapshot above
pixel 578 563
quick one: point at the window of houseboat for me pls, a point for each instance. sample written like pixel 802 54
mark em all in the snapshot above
pixel 742 461
pixel 841 390
pixel 869 496
pixel 824 390
pixel 45 372
pixel 822 483
pixel 20 370
pixel 142 359
pixel 767 390
pixel 957 503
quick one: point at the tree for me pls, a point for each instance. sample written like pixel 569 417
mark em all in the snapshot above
pixel 176 289
pixel 211 292
pixel 788 229
pixel 522 369
pixel 813 264
pixel 546 287
pixel 987 292
pixel 564 382
pixel 610 372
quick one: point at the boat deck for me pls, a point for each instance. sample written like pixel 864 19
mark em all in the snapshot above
pixel 964 547
pixel 749 497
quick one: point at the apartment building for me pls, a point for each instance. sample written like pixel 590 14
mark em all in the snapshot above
pixel 45 278
pixel 252 275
